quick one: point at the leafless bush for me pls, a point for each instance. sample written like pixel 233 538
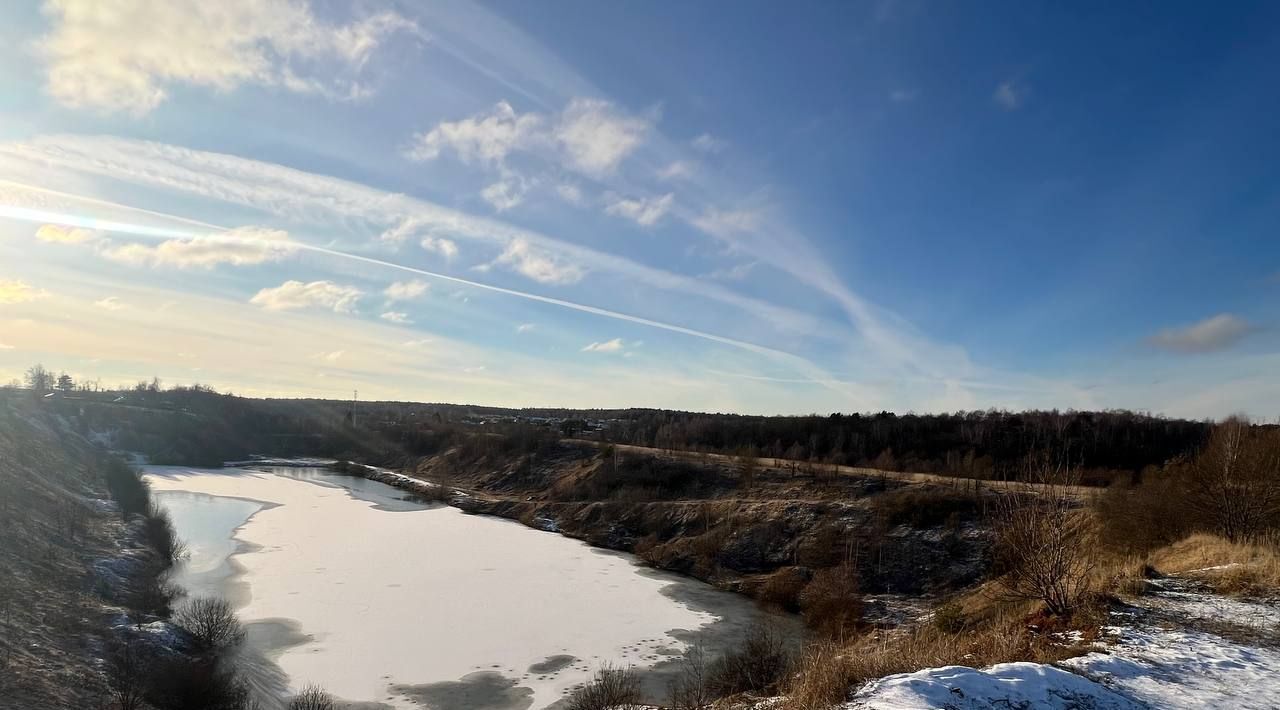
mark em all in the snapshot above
pixel 783 588
pixel 611 689
pixel 152 594
pixel 129 667
pixel 204 682
pixel 1235 482
pixel 1045 542
pixel 692 689
pixel 158 531
pixel 312 697
pixel 211 622
pixel 831 602
pixel 759 665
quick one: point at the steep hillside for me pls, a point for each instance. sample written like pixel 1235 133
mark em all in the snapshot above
pixel 55 523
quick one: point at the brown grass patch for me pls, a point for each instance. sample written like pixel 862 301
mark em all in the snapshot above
pixel 1241 568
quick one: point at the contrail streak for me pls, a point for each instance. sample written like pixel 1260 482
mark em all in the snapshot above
pixel 88 222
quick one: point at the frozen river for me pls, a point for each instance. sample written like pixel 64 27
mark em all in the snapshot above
pixel 384 601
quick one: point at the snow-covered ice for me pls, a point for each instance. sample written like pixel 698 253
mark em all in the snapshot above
pixel 388 596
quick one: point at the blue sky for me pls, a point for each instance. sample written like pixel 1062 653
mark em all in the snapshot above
pixel 751 207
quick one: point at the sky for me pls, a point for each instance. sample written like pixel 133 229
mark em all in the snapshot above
pixel 757 207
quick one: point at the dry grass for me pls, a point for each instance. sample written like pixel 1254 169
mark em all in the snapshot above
pixel 998 632
pixel 1239 568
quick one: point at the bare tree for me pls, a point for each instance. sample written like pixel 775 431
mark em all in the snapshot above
pixel 1044 539
pixel 611 689
pixel 128 668
pixel 692 689
pixel 211 622
pixel 38 379
pixel 1235 482
pixel 312 697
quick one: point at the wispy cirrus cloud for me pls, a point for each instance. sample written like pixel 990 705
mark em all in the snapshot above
pixel 644 211
pixel 319 199
pixel 1010 95
pixel 245 246
pixel 1212 334
pixel 608 346
pixel 292 295
pixel 537 264
pixel 57 234
pixel 397 317
pixel 126 56
pixel 15 291
pixel 406 290
pixel 590 136
pixel 708 143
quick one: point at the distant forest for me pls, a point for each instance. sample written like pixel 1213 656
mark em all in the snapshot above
pixel 1106 446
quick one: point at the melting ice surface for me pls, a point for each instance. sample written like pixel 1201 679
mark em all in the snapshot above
pixel 345 583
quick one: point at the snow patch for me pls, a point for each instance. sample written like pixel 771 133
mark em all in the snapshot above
pixel 1013 685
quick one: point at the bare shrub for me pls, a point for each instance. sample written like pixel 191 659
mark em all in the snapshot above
pixel 1235 482
pixel 783 588
pixel 158 531
pixel 612 688
pixel 1045 541
pixel 204 682
pixel 312 697
pixel 211 622
pixel 692 689
pixel 760 665
pixel 831 602
pixel 950 618
pixel 152 594
pixel 128 670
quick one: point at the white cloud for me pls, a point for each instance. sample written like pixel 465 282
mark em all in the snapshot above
pixel 6 346
pixel 1216 333
pixel 245 246
pixel 525 327
pixel 596 137
pixel 123 55
pixel 507 192
pixel 319 199
pixel 608 346
pixel 66 235
pixel 417 343
pixel 406 290
pixel 708 143
pixel 444 247
pixel 12 291
pixel 736 272
pixel 904 95
pixel 724 223
pixel 570 193
pixel 1009 95
pixel 537 264
pixel 110 303
pixel 592 135
pixel 398 317
pixel 334 356
pixel 292 295
pixel 643 211
pixel 678 170
pixel 484 137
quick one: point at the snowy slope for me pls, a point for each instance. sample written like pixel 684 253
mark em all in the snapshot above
pixel 1182 648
